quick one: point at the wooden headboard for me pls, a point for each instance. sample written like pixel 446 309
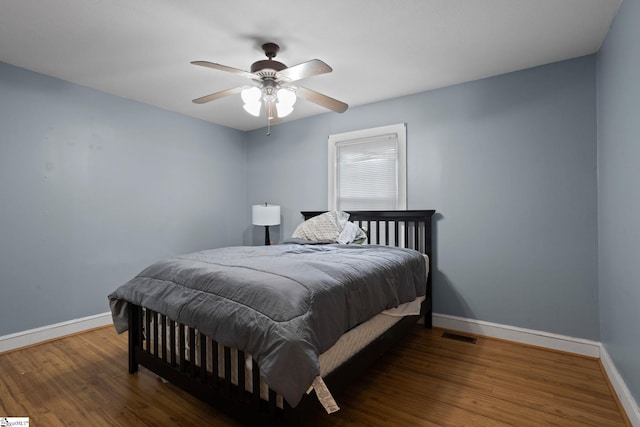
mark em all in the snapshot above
pixel 409 229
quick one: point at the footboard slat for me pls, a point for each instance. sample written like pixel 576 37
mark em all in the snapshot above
pixel 255 374
pixel 163 320
pixel 192 352
pixel 140 335
pixel 147 322
pixel 227 371
pixel 241 377
pixel 181 348
pixel 215 363
pixel 272 402
pixel 172 340
pixel 154 319
pixel 204 342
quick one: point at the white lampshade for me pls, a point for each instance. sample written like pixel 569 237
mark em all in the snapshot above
pixel 266 214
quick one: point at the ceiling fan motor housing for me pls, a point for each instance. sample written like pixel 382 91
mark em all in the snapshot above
pixel 268 67
pixel 267 64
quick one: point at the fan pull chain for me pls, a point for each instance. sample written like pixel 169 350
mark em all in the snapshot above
pixel 269 107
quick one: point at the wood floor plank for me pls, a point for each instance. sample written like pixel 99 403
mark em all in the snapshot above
pixel 427 381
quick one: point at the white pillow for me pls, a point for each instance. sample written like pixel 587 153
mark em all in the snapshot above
pixel 326 226
pixel 333 226
pixel 350 233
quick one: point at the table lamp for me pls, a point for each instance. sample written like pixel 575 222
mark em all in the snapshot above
pixel 266 215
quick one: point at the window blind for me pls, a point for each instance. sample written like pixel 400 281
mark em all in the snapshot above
pixel 367 173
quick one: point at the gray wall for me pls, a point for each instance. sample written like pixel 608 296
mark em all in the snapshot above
pixel 619 193
pixel 94 187
pixel 508 162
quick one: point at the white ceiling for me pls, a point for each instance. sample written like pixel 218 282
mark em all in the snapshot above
pixel 141 49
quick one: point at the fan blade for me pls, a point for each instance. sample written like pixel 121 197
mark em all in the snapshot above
pixel 227 69
pixel 320 99
pixel 304 70
pixel 218 95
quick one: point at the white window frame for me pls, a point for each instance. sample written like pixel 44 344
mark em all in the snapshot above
pixel 400 130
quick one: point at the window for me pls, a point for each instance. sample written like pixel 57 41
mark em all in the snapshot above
pixel 367 169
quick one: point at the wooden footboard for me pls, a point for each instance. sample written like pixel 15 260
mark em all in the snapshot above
pixel 209 372
pixel 197 364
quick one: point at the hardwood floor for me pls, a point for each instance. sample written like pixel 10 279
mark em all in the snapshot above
pixel 83 380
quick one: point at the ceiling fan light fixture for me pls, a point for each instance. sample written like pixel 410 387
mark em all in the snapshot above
pixel 286 100
pixel 251 95
pixel 283 110
pixel 286 97
pixel 251 98
pixel 253 108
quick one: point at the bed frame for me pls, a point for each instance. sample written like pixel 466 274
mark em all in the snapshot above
pixel 178 361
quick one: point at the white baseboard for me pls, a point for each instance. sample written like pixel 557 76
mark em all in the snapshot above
pixel 624 395
pixel 520 335
pixel 49 332
pixel 547 340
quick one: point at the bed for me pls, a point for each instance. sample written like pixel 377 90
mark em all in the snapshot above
pixel 231 361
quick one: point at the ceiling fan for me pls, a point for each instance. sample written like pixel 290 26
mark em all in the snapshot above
pixel 275 85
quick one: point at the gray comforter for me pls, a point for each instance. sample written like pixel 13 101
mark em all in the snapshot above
pixel 283 304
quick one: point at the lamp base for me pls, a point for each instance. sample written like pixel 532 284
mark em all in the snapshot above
pixel 267 240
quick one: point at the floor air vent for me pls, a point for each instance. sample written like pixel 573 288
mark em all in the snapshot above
pixel 457 337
